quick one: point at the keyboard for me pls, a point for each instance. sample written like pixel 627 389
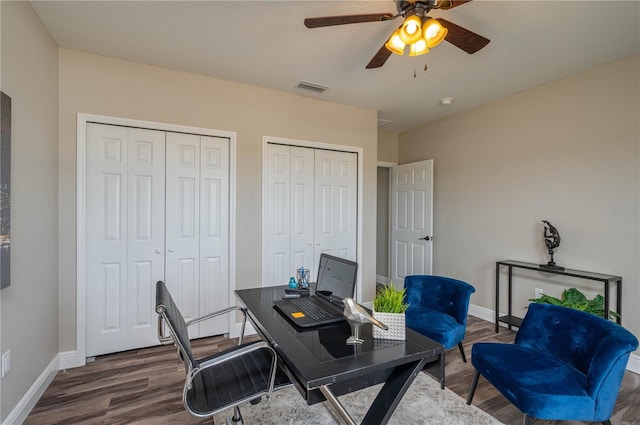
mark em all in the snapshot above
pixel 310 308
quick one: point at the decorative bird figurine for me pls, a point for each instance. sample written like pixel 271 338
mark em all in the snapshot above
pixel 357 315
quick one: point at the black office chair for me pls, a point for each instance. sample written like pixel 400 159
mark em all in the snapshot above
pixel 223 380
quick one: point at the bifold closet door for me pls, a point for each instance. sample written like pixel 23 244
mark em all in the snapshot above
pixel 289 207
pixel 157 208
pixel 125 236
pixel 310 208
pixel 197 223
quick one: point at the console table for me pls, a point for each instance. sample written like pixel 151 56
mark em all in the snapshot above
pixel 511 320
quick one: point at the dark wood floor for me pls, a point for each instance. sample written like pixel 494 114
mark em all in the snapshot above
pixel 145 387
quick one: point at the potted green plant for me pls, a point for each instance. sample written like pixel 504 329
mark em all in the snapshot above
pixel 389 307
pixel 573 298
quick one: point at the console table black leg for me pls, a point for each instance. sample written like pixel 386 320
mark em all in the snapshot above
pixel 497 326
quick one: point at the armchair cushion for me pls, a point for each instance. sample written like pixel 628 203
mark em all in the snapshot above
pixel 438 307
pixel 435 325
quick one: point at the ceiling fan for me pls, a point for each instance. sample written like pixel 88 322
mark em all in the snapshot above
pixel 418 31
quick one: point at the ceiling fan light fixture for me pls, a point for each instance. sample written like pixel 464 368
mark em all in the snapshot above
pixel 418 48
pixel 395 43
pixel 411 30
pixel 433 32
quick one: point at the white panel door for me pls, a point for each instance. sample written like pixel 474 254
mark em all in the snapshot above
pixel 182 270
pixel 277 204
pixel 335 222
pixel 197 228
pixel 145 240
pixel 214 233
pixel 310 206
pixel 302 210
pixel 411 220
pixel 125 203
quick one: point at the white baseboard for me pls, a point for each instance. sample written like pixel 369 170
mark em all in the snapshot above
pixel 68 360
pixel 19 414
pixel 633 365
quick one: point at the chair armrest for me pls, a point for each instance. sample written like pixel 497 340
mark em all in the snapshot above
pixel 221 312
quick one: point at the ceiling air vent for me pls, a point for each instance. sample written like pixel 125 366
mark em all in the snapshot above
pixel 306 85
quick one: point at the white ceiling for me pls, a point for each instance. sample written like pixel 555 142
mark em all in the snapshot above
pixel 265 43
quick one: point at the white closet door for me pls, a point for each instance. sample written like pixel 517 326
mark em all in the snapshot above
pixel 197 228
pixel 125 201
pixel 182 271
pixel 302 214
pixel 277 202
pixel 311 207
pixel 145 240
pixel 336 184
pixel 214 233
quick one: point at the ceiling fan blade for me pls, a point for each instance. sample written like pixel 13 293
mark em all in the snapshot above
pixel 462 38
pixel 328 21
pixel 450 4
pixel 379 58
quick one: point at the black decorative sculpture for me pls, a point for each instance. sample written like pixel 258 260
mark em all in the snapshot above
pixel 552 241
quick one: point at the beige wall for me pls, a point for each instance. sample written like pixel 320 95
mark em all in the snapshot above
pixel 382 228
pixel 568 152
pixel 387 146
pixel 30 304
pixel 99 85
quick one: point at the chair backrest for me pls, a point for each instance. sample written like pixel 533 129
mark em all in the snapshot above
pixel 444 294
pixel 168 311
pixel 597 347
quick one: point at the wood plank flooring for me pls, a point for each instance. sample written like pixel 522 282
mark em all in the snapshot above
pixel 145 387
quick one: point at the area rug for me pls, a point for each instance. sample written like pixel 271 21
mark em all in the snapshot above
pixel 423 403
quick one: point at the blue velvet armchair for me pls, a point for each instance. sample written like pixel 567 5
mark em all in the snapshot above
pixel 565 364
pixel 438 308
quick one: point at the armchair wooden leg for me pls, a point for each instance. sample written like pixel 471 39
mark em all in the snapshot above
pixel 528 420
pixel 464 358
pixel 474 384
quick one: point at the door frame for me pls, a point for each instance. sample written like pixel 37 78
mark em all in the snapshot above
pixel 360 201
pixel 388 166
pixel 81 205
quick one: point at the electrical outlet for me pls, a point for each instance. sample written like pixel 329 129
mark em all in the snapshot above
pixel 538 292
pixel 6 362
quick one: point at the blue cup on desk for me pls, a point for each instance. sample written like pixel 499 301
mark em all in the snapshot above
pixel 292 283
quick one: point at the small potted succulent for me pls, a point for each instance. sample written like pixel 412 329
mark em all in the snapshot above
pixel 389 307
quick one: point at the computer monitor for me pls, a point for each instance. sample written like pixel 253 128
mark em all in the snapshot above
pixel 336 277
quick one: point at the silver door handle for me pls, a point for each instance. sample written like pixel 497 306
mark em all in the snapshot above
pixel 426 238
pixel 170 249
pixel 158 251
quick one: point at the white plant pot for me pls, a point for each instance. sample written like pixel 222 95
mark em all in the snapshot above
pixel 395 322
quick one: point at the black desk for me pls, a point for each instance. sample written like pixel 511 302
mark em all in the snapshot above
pixel 605 279
pixel 322 366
